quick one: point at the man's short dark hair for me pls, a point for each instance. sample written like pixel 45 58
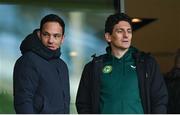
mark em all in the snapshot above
pixel 52 18
pixel 114 19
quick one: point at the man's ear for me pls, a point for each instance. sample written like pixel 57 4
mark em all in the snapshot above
pixel 62 40
pixel 107 37
pixel 39 34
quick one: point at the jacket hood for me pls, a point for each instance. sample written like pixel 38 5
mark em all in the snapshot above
pixel 33 43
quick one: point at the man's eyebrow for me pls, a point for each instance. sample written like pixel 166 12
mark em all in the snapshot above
pixel 119 28
pixel 129 29
pixel 123 28
pixel 53 33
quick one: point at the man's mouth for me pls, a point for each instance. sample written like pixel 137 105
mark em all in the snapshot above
pixel 51 47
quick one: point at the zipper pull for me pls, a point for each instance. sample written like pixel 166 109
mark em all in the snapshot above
pixel 146 75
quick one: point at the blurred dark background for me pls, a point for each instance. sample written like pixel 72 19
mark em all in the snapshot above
pixel 157 33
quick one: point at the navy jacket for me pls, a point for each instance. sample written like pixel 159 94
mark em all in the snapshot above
pixel 152 87
pixel 41 80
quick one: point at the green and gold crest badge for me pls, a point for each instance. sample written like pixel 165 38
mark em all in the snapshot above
pixel 107 69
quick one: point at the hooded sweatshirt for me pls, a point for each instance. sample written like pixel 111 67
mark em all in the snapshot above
pixel 119 92
pixel 41 80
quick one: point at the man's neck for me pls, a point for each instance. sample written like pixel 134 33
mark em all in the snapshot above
pixel 118 53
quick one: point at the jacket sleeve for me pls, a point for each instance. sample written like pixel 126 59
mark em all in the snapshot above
pixel 67 90
pixel 159 94
pixel 25 81
pixel 83 99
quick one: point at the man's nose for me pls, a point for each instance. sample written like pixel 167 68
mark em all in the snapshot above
pixel 51 39
pixel 125 34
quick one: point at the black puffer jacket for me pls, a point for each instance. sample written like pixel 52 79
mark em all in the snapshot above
pixel 41 80
pixel 173 85
pixel 152 87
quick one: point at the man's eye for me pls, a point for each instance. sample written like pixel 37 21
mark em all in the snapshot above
pixel 129 31
pixel 119 31
pixel 45 34
pixel 57 35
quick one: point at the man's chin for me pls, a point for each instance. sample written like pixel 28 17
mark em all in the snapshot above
pixel 125 47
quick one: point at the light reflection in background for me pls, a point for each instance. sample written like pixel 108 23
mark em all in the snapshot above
pixel 83 38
